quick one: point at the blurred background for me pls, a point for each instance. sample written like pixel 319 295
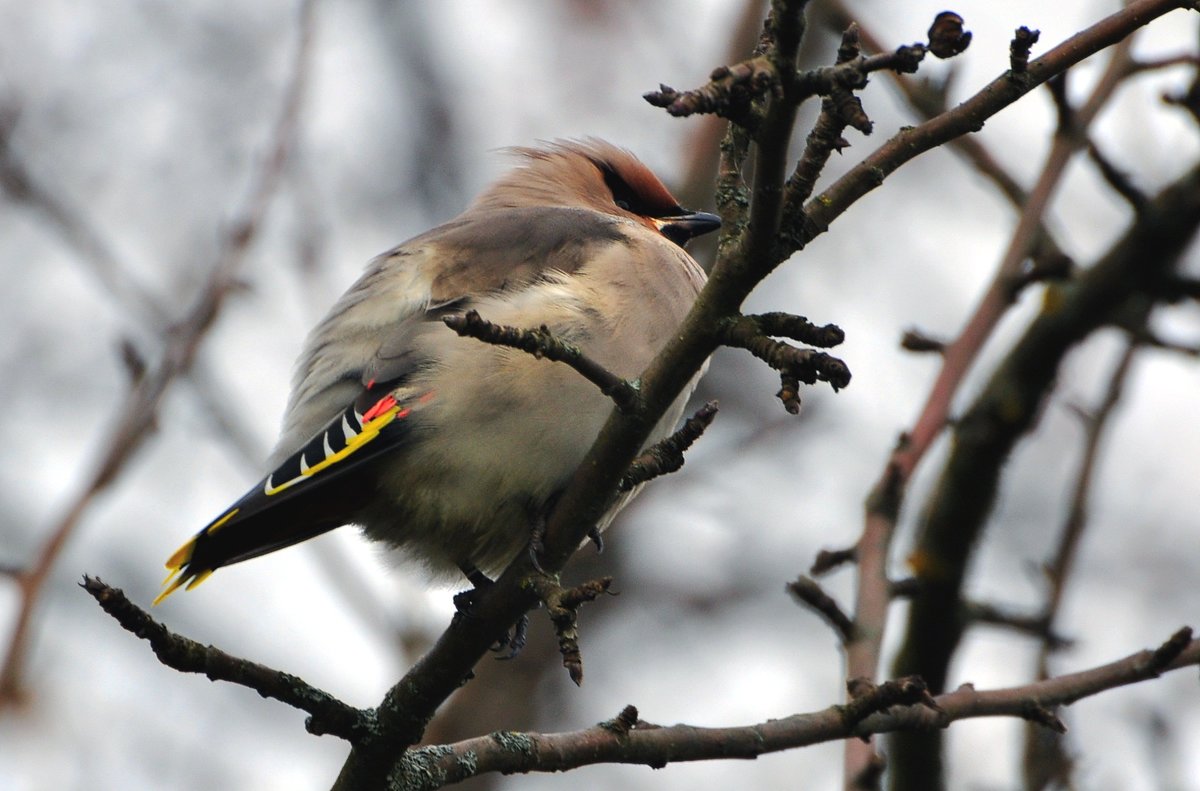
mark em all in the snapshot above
pixel 134 137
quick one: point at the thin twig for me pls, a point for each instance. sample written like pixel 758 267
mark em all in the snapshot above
pixel 562 605
pixel 542 343
pixel 1045 757
pixel 328 715
pixel 795 365
pixel 666 455
pixel 1116 179
pixel 1033 624
pixel 807 591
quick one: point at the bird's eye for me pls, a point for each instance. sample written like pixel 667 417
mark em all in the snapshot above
pixel 647 199
pixel 624 196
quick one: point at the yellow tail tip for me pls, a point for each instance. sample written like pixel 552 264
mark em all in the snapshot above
pixel 177 576
pixel 181 579
pixel 181 557
pixel 173 582
pixel 198 578
pixel 178 565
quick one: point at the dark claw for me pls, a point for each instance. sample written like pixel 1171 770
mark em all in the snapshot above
pixel 535 552
pixel 596 538
pixel 538 516
pixel 536 544
pixel 516 642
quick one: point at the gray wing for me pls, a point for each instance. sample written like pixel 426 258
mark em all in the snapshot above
pixel 368 334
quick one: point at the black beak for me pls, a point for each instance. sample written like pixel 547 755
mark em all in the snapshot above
pixel 686 225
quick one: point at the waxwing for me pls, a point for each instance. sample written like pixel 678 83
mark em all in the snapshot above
pixel 447 447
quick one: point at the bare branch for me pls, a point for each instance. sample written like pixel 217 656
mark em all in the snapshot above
pixel 1036 625
pixel 328 715
pixel 808 592
pixel 1115 288
pixel 1116 179
pixel 887 708
pixel 959 355
pixel 794 365
pixel 666 456
pixel 729 94
pixel 829 559
pixel 928 101
pixel 916 341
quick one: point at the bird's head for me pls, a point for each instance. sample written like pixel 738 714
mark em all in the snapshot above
pixel 593 174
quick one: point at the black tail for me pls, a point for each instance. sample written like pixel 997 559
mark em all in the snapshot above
pixel 321 486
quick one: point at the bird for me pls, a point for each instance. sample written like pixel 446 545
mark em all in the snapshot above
pixel 445 447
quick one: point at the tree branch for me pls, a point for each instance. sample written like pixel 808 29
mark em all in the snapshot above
pixel 328 715
pixel 1119 286
pixel 543 343
pixel 1045 759
pixel 890 707
pixel 885 499
pixel 666 456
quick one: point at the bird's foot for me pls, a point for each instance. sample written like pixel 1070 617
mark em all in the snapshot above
pixel 465 601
